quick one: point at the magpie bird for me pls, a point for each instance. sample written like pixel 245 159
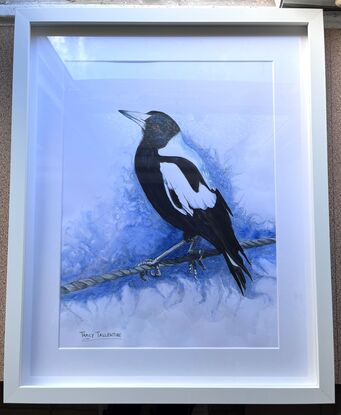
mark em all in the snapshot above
pixel 176 183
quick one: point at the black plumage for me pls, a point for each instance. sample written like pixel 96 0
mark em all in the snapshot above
pixel 174 180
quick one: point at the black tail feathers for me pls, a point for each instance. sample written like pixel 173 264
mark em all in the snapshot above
pixel 238 272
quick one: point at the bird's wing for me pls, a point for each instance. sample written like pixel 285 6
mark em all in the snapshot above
pixel 185 187
pixel 189 194
pixel 176 147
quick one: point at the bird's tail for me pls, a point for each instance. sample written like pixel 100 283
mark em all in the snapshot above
pixel 238 270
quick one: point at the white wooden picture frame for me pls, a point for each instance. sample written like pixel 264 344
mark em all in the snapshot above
pixel 37 369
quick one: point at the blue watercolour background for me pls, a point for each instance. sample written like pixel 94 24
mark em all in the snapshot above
pixel 108 224
pixel 125 231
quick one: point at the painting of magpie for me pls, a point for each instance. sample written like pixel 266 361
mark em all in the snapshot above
pixel 177 184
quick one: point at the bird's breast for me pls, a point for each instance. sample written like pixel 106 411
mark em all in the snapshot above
pixel 147 166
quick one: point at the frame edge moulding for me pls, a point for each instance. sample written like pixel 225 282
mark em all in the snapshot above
pixel 24 382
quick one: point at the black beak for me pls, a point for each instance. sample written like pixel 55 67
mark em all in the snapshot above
pixel 138 117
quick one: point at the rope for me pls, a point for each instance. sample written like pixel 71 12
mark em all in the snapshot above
pixel 142 269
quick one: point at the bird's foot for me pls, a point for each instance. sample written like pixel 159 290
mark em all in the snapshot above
pixel 154 268
pixel 197 259
pixel 192 268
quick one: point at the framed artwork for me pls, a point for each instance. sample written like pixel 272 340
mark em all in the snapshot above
pixel 169 217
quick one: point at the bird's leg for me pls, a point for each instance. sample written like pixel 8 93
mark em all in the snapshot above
pixel 170 250
pixel 194 242
pixel 155 262
pixel 192 251
pixel 199 260
pixel 192 266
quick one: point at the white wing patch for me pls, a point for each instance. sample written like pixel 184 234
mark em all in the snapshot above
pixel 189 199
pixel 177 147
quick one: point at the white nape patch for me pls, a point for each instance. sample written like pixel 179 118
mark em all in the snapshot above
pixel 175 180
pixel 177 147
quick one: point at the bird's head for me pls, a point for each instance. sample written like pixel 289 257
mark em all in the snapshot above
pixel 158 127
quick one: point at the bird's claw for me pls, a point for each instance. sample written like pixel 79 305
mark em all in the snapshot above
pixel 193 269
pixel 155 271
pixel 201 264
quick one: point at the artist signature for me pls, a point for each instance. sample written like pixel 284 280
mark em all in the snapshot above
pixel 99 335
